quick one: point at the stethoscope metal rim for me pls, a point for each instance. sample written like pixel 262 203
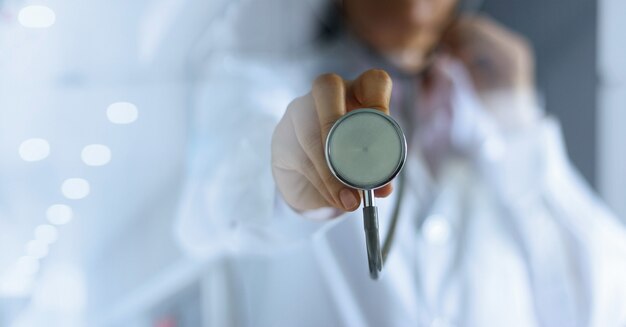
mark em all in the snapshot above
pixel 403 154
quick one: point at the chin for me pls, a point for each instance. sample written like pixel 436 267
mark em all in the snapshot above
pixel 413 57
pixel 410 63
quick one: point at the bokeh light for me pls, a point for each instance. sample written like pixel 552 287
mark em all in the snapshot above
pixel 96 155
pixel 122 113
pixel 36 16
pixel 436 230
pixel 37 249
pixel 34 149
pixel 46 233
pixel 75 188
pixel 59 214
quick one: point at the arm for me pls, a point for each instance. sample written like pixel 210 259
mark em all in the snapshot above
pixel 575 248
pixel 229 199
pixel 239 195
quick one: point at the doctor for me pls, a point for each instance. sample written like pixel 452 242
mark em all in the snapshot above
pixel 495 227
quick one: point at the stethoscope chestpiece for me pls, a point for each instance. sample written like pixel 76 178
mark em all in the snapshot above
pixel 366 150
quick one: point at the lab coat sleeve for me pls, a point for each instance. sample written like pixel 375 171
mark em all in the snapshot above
pixel 229 200
pixel 574 246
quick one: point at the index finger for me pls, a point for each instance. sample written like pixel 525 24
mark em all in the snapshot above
pixel 330 101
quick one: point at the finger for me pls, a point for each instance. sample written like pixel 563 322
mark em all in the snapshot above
pixel 307 129
pixel 300 193
pixel 320 185
pixel 336 194
pixel 290 159
pixel 310 173
pixel 495 56
pixel 480 31
pixel 329 97
pixel 284 142
pixel 384 191
pixel 467 30
pixel 493 29
pixel 287 157
pixel 370 90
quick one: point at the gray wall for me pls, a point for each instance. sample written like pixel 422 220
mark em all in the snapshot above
pixel 563 33
pixel 612 105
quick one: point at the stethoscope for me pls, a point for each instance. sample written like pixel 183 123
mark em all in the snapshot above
pixel 366 149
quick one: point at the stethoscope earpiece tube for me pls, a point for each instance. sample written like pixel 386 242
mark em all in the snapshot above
pixel 372 239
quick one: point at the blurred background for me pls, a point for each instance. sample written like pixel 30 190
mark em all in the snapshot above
pixel 97 112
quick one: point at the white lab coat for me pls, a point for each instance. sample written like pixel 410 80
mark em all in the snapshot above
pixel 506 233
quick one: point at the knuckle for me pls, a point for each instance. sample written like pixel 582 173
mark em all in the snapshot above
pixel 295 104
pixel 306 166
pixel 326 126
pixel 312 144
pixel 280 131
pixel 296 111
pixel 378 75
pixel 327 80
pixel 331 182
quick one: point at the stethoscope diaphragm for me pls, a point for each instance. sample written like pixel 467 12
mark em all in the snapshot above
pixel 365 150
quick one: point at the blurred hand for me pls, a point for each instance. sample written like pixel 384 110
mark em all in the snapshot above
pixel 500 64
pixel 298 161
pixel 496 58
